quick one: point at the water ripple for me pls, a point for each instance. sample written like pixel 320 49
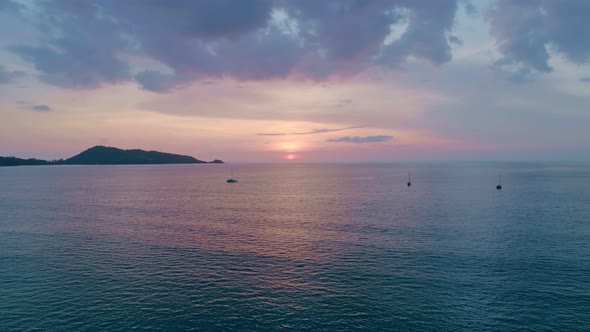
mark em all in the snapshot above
pixel 299 247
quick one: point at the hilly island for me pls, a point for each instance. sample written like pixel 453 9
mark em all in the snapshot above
pixel 104 155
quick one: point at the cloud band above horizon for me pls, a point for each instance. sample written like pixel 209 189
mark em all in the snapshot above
pixel 89 43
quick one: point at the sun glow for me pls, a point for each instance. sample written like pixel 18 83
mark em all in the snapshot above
pixel 289 146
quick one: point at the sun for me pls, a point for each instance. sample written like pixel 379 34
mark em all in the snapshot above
pixel 291 156
pixel 289 146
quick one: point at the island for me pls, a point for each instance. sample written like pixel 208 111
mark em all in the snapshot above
pixel 105 155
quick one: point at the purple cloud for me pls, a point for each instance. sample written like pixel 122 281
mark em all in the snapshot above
pixel 358 139
pixel 155 81
pixel 314 131
pixel 84 44
pixel 41 108
pixel 81 49
pixel 526 30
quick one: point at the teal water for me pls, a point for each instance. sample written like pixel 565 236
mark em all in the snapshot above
pixel 295 247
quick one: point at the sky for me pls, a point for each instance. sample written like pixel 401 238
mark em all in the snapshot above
pixel 297 80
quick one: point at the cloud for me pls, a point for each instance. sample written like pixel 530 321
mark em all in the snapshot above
pixel 526 31
pixel 469 7
pixel 314 131
pixel 358 139
pixel 41 108
pixel 585 79
pixel 85 54
pixel 155 81
pixel 199 19
pixel 10 6
pixel 7 76
pixel 343 103
pixel 84 44
pixel 488 113
pixel 428 33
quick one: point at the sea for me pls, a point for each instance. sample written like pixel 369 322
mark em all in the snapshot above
pixel 300 247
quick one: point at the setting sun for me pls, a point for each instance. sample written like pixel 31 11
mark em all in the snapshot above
pixel 289 146
pixel 321 165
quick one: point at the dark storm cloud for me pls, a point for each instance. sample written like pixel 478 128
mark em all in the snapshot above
pixel 525 31
pixel 358 139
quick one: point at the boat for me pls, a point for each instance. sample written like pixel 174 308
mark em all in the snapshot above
pixel 232 179
pixel 499 186
pixel 409 184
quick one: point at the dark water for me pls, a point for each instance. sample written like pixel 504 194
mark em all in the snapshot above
pixel 300 247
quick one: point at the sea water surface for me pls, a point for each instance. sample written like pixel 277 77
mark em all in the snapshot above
pixel 295 247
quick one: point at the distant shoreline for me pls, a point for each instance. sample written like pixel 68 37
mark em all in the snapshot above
pixel 56 164
pixel 103 155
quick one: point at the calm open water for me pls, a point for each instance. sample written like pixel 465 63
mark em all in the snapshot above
pixel 300 247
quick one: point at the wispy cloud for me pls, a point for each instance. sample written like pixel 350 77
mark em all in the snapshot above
pixel 311 132
pixel 9 76
pixel 41 108
pixel 358 139
pixel 343 102
pixel 585 79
